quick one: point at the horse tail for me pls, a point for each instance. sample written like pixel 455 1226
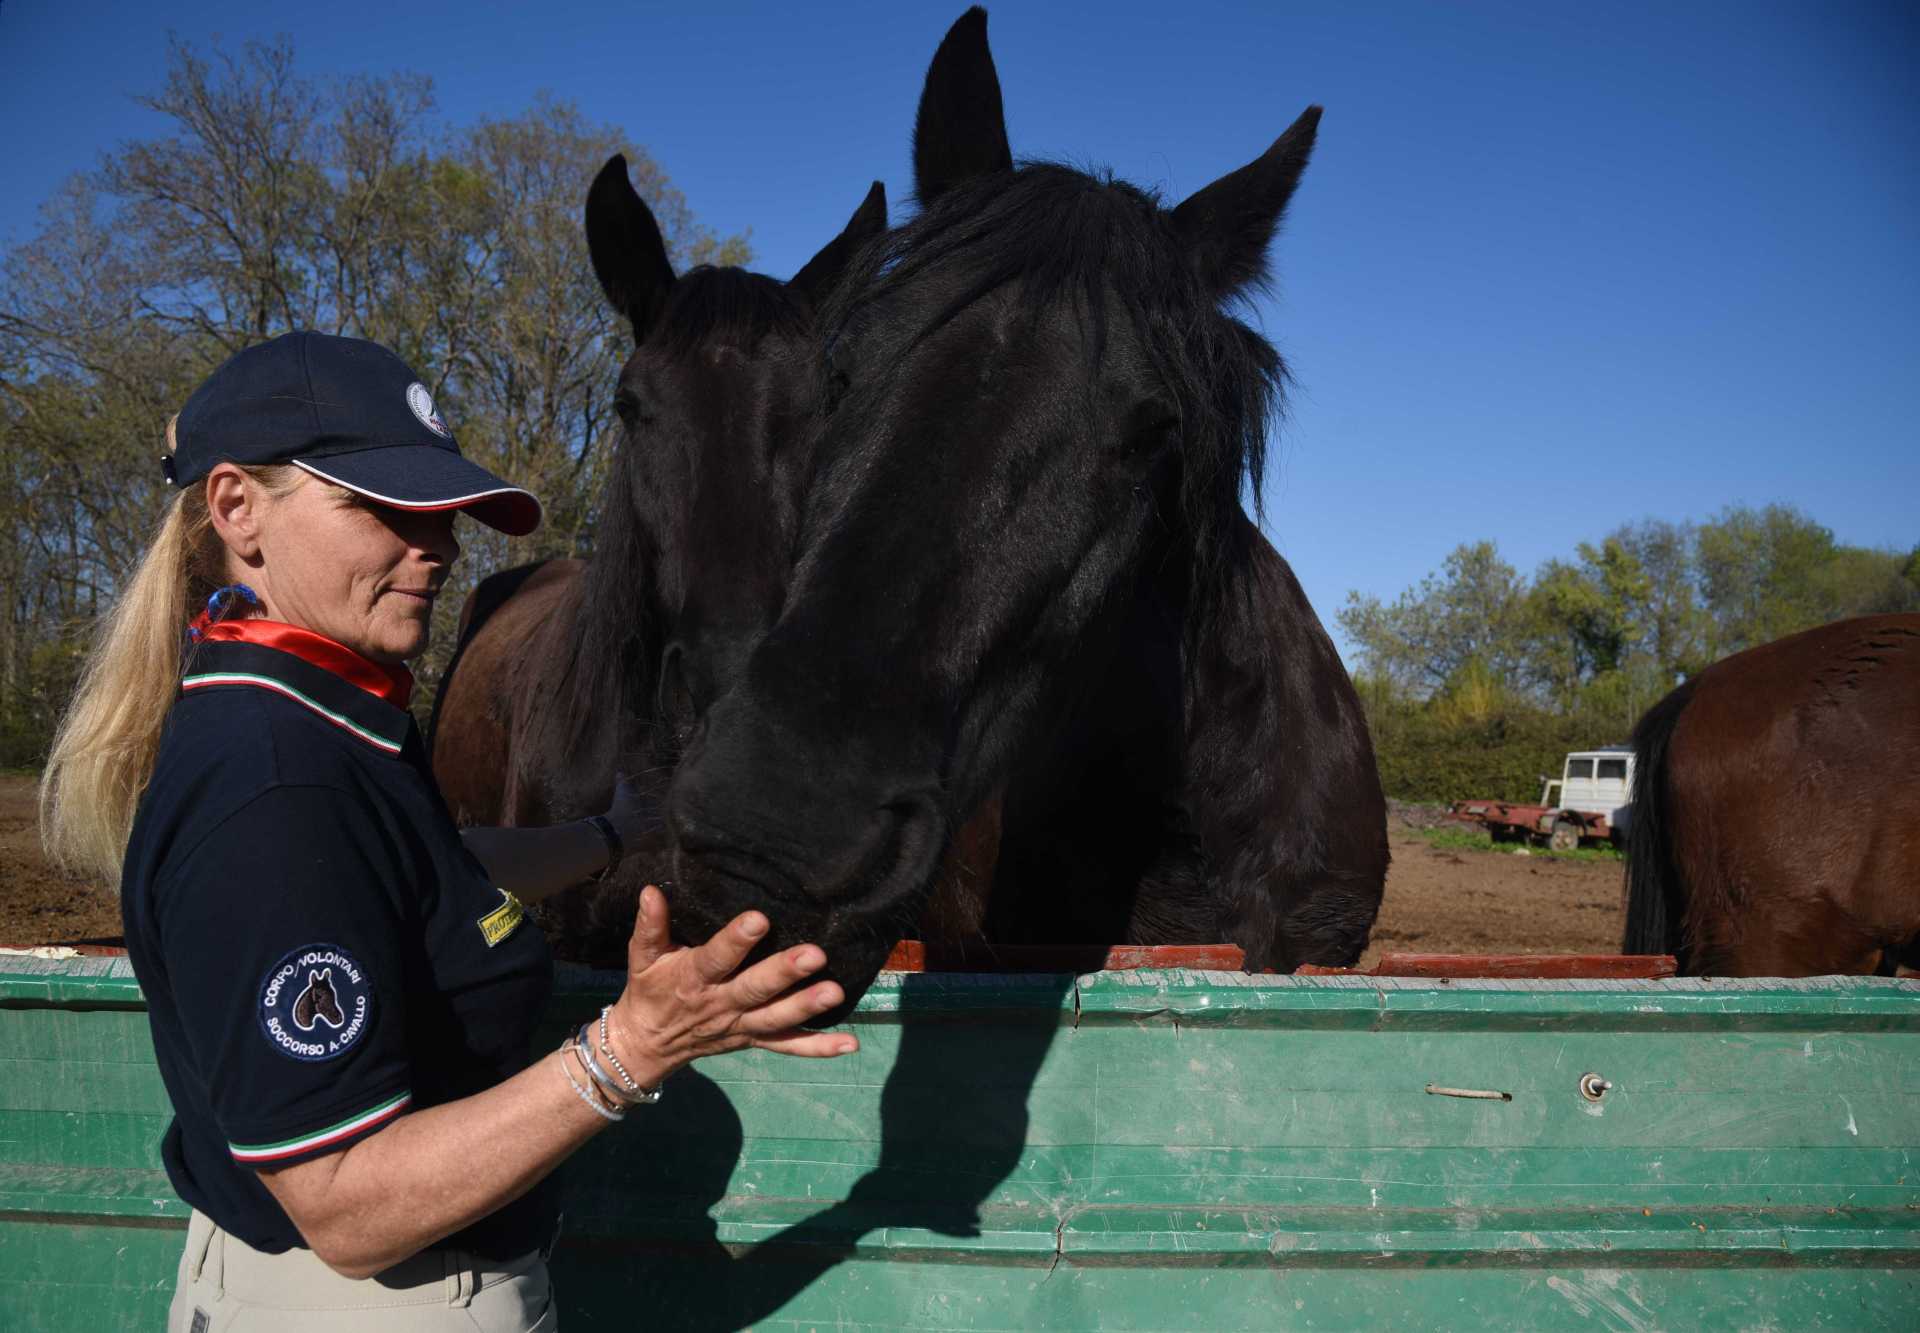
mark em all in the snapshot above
pixel 1656 894
pixel 492 593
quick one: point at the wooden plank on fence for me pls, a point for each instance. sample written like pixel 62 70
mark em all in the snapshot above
pixel 1512 966
pixel 939 956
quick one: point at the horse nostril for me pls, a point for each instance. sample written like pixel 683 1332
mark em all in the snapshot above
pixel 903 844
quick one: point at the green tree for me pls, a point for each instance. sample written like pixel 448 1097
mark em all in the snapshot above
pixel 1470 616
pixel 1760 574
pixel 1584 616
pixel 1675 627
pixel 1476 678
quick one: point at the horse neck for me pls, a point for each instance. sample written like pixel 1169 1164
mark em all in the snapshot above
pixel 605 686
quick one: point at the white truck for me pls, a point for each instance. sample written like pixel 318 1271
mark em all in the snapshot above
pixel 1593 801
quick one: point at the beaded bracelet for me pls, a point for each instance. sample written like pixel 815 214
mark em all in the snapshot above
pixel 641 1096
pixel 583 1094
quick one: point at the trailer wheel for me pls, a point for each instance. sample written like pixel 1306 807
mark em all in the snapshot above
pixel 1566 835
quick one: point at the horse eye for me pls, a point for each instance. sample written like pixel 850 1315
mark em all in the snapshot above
pixel 837 383
pixel 632 415
pixel 1154 436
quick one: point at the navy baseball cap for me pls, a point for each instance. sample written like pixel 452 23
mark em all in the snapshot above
pixel 348 411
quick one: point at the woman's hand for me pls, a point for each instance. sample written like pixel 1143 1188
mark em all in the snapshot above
pixel 683 1004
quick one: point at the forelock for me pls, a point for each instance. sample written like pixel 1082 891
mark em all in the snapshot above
pixel 1058 235
pixel 732 307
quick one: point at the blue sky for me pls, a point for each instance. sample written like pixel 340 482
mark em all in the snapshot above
pixel 1555 266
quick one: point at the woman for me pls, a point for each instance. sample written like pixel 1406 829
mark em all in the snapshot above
pixel 341 990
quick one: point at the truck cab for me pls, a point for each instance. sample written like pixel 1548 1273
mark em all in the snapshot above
pixel 1595 782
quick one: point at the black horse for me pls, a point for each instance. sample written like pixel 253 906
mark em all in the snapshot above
pixel 568 670
pixel 1023 574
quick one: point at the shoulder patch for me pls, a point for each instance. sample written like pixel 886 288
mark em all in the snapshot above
pixel 503 920
pixel 315 1003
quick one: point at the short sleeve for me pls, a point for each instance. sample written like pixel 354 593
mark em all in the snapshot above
pixel 283 943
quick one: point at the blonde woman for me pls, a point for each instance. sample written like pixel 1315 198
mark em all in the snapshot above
pixel 342 990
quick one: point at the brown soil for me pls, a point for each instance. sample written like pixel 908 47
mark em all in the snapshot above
pixel 1438 900
pixel 38 904
pixel 1444 901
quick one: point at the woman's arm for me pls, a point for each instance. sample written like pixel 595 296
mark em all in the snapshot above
pixel 430 1173
pixel 535 863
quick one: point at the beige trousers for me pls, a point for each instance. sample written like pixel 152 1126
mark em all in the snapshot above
pixel 227 1286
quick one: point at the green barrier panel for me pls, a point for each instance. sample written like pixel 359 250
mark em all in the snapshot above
pixel 1134 1151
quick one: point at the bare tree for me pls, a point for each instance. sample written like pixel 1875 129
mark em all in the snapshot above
pixel 275 203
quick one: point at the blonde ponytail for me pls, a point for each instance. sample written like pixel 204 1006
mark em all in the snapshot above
pixel 104 750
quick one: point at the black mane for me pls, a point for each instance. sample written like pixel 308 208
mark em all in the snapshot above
pixel 1060 235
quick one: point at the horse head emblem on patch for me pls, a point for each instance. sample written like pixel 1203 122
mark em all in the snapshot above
pixel 318 1003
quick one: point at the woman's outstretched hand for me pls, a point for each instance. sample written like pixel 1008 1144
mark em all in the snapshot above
pixel 683 1004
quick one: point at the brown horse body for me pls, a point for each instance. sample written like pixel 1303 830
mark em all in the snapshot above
pixel 1776 808
pixel 526 635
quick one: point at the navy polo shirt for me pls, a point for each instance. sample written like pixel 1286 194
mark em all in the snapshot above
pixel 319 951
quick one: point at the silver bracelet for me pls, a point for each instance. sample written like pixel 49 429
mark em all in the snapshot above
pixel 583 1094
pixel 602 1080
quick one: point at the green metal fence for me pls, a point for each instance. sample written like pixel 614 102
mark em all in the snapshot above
pixel 1135 1151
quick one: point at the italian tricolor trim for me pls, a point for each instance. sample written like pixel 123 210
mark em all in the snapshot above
pixel 281 687
pixel 270 1152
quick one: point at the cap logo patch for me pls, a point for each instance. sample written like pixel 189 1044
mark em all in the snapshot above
pixel 315 1003
pixel 422 404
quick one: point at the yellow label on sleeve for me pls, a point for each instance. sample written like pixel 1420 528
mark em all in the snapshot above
pixel 503 920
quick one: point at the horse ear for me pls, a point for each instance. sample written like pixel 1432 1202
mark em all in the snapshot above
pixel 1228 224
pixel 961 129
pixel 819 275
pixel 629 256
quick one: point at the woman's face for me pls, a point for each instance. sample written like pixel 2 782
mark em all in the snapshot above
pixel 362 574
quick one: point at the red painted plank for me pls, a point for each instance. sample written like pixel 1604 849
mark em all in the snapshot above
pixel 1513 966
pixel 938 956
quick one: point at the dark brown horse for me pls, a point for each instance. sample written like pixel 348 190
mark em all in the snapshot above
pixel 1776 808
pixel 569 670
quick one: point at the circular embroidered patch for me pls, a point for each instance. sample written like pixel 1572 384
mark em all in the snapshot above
pixel 422 404
pixel 315 1003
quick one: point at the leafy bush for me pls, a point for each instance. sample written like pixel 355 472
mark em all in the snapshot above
pixel 1426 756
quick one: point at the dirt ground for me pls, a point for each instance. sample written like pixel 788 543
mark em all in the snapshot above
pixel 1444 901
pixel 1438 900
pixel 38 905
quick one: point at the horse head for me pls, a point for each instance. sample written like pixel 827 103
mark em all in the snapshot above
pixel 1034 399
pixel 694 539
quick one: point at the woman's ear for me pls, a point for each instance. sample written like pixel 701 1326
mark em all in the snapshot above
pixel 235 507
